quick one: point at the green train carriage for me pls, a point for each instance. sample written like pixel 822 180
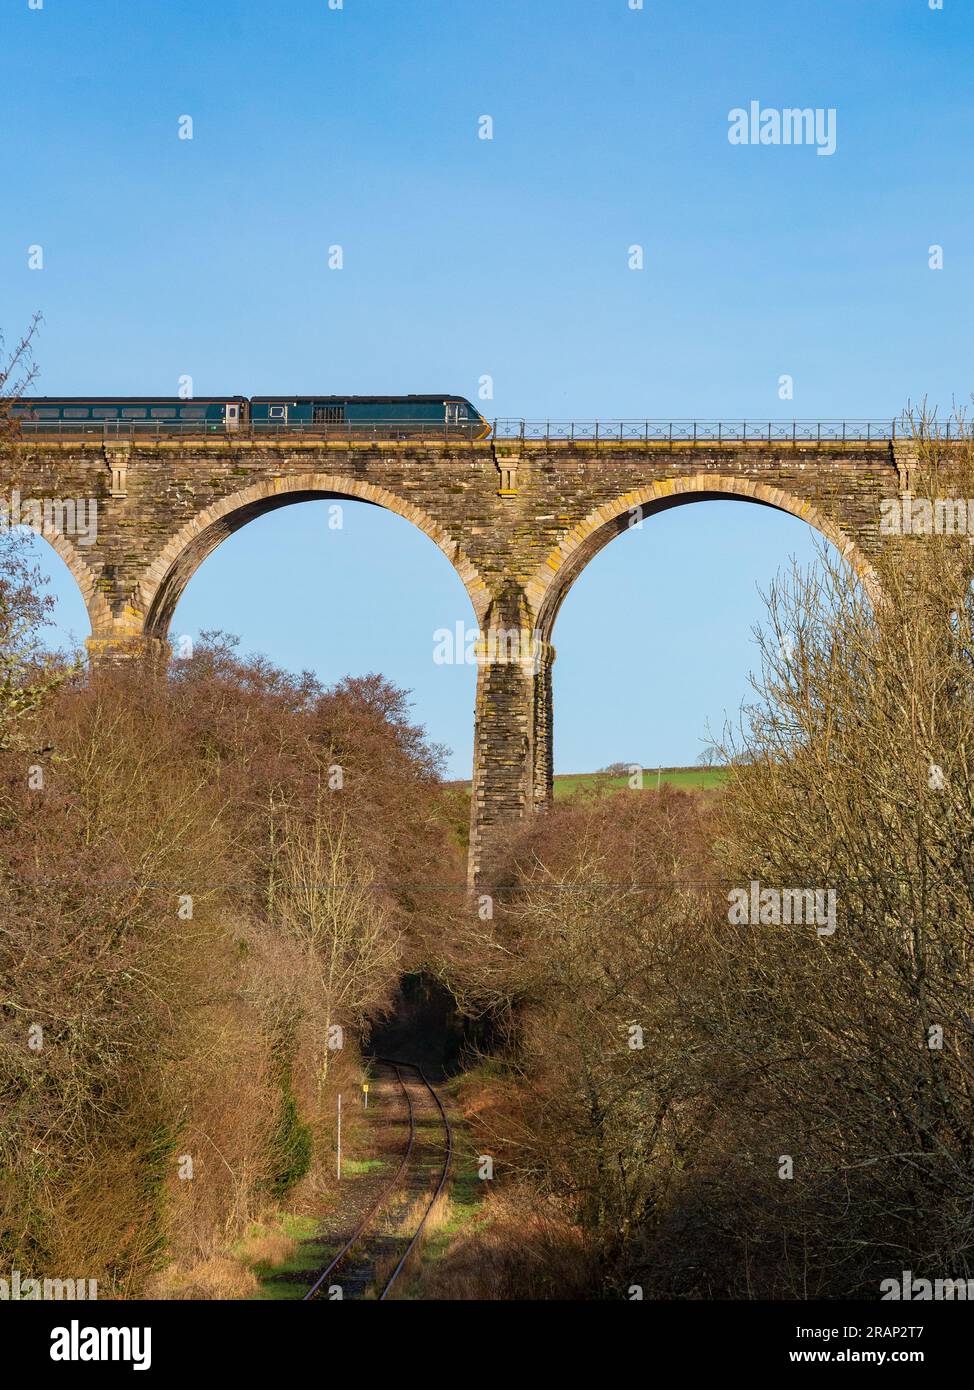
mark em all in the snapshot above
pixel 127 414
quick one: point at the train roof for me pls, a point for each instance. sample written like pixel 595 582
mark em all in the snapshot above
pixel 213 400
pixel 134 400
pixel 359 400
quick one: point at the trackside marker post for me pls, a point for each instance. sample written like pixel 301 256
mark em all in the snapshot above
pixel 365 1092
pixel 339 1134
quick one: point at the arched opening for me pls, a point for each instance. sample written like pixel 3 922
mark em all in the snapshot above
pixel 167 576
pixel 67 623
pixel 339 586
pixel 656 632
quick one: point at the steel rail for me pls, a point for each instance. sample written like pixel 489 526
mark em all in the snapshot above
pixel 383 1197
pixel 439 1186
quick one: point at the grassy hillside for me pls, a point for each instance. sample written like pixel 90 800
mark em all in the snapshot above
pixel 687 778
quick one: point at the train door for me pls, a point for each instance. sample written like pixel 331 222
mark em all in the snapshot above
pixel 233 415
pixel 452 412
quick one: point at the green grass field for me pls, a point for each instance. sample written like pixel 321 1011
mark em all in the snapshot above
pixel 686 778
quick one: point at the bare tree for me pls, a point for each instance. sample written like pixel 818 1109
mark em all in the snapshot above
pixel 18 370
pixel 325 896
pixel 27 674
pixel 854 773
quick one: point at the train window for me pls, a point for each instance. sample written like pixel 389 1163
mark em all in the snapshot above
pixel 133 412
pixel 276 412
pixel 104 412
pixel 46 413
pixel 74 413
pixel 163 412
pixel 193 412
pixel 329 415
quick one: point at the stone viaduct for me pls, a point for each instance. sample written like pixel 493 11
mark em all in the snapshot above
pixel 519 520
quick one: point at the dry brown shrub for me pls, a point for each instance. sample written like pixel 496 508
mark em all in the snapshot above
pixel 219 1277
pixel 520 1247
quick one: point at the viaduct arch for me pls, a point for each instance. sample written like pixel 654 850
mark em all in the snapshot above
pixel 548 587
pixel 161 588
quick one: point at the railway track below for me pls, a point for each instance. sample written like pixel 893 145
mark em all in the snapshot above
pixel 372 1260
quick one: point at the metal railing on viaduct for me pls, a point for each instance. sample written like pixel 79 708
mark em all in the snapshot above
pixel 723 431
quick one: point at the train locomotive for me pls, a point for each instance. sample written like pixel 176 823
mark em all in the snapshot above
pixel 379 417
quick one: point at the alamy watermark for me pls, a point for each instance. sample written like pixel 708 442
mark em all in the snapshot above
pixel 775 907
pixel 17 1289
pixel 913 1290
pixel 788 125
pixel 76 517
pixel 463 646
pixel 78 1343
pixel 927 516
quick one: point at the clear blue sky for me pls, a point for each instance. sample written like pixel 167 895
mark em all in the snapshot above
pixel 466 257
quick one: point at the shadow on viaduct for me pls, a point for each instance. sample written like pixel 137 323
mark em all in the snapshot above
pixel 519 521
